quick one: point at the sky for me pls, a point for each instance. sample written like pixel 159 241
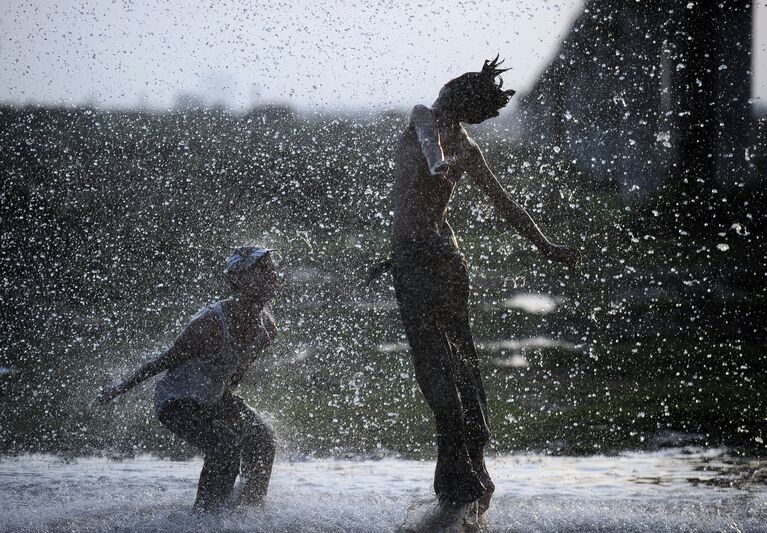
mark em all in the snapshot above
pixel 333 54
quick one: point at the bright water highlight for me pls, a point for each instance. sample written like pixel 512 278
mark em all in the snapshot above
pixel 672 490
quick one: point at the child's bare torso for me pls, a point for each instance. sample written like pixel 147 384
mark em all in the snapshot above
pixel 421 199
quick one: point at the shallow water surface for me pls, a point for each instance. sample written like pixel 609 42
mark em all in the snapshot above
pixel 672 490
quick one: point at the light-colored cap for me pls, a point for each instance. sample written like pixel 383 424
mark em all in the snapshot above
pixel 244 258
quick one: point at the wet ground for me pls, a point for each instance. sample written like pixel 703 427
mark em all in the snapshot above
pixel 682 489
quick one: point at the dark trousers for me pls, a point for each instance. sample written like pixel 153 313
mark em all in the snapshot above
pixel 233 439
pixel 432 288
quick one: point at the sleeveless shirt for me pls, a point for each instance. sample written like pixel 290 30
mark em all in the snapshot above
pixel 203 379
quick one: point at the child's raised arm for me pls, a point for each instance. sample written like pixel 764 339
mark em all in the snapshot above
pixel 422 120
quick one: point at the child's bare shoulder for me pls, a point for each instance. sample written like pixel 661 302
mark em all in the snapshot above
pixel 203 330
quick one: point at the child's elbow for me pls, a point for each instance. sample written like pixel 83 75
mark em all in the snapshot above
pixel 420 115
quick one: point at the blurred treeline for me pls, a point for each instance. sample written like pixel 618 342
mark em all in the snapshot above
pixel 115 224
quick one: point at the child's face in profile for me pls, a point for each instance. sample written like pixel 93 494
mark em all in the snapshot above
pixel 261 282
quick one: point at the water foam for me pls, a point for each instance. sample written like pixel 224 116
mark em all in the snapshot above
pixel 631 492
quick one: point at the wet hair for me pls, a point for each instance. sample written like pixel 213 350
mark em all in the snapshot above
pixel 242 263
pixel 475 96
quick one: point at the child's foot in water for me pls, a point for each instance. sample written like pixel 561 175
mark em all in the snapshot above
pixel 483 504
pixel 478 463
pixel 244 496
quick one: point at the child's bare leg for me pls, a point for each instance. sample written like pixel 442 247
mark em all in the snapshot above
pixel 257 457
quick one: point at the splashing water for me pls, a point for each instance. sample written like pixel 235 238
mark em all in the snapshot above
pixel 678 489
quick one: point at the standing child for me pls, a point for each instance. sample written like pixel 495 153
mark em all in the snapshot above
pixel 431 275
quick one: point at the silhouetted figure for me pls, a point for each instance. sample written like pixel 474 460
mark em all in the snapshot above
pixel 204 365
pixel 431 275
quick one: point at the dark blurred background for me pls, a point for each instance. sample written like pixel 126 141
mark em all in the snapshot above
pixel 640 141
